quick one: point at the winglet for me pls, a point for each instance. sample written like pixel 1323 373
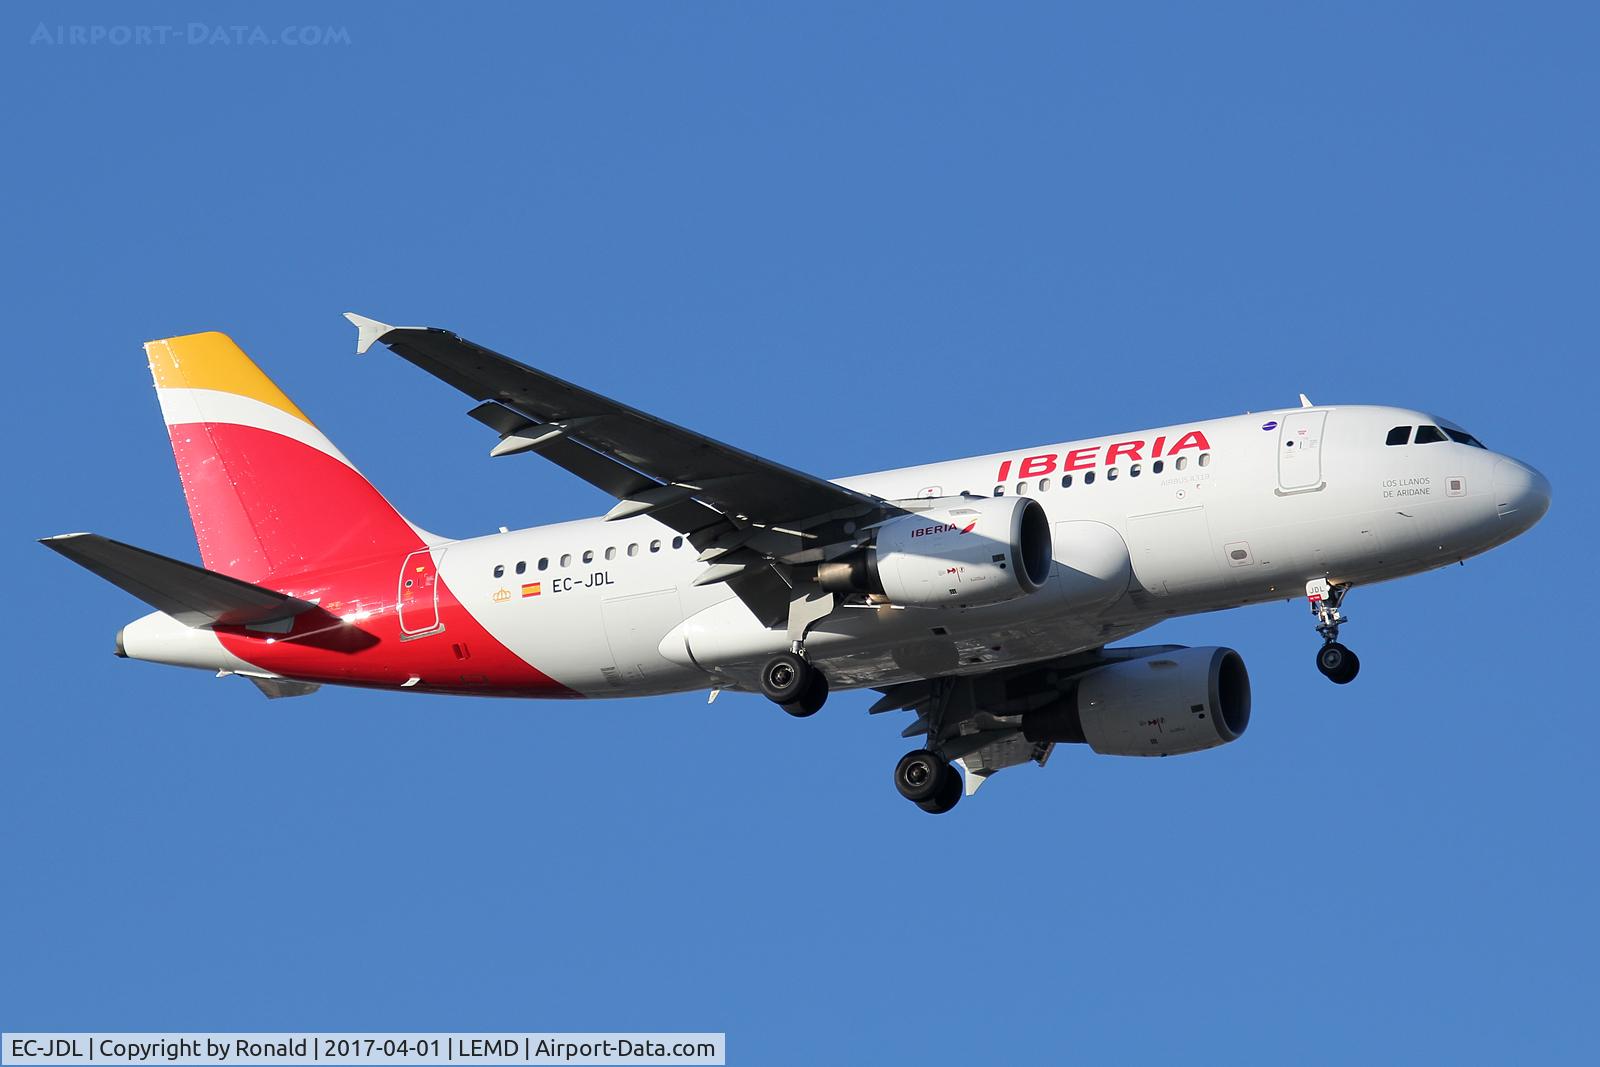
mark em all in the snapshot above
pixel 367 331
pixel 1305 401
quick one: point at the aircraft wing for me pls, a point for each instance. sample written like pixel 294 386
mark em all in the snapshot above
pixel 733 481
pixel 743 512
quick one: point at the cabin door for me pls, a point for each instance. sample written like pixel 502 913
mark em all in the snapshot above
pixel 1300 452
pixel 417 599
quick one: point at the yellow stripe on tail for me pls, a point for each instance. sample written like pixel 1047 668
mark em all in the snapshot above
pixel 213 361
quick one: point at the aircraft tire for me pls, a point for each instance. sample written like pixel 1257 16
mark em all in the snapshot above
pixel 785 678
pixel 920 774
pixel 948 796
pixel 1337 663
pixel 812 699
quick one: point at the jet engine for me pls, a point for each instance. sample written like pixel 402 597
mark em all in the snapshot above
pixel 973 552
pixel 1161 705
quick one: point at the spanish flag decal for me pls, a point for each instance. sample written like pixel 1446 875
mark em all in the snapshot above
pixel 530 589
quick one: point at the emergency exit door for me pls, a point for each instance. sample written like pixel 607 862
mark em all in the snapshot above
pixel 1300 452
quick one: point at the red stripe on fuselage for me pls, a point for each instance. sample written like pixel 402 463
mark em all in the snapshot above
pixel 461 657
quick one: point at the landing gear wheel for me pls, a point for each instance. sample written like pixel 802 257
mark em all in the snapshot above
pixel 920 775
pixel 785 678
pixel 1337 663
pixel 812 699
pixel 949 794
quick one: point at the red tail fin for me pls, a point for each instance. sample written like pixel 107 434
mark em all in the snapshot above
pixel 268 493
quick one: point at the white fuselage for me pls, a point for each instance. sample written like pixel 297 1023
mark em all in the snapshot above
pixel 1271 501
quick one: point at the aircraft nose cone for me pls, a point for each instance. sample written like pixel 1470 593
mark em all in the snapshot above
pixel 1521 494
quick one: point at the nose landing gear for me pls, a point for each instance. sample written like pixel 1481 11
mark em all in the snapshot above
pixel 1337 663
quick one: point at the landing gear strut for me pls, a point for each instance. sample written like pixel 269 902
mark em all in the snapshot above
pixel 925 779
pixel 794 685
pixel 1337 663
pixel 787 679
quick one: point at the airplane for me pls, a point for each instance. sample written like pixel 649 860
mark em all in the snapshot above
pixel 983 595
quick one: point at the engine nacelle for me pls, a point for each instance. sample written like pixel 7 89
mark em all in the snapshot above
pixel 1160 705
pixel 971 553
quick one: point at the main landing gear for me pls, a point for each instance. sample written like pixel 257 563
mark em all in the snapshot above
pixel 1337 663
pixel 793 684
pixel 925 779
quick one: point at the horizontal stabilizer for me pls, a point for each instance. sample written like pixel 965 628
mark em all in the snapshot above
pixel 192 595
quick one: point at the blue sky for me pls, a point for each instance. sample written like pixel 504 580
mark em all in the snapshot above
pixel 847 237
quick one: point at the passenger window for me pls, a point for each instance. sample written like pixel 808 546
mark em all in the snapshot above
pixel 1400 435
pixel 1044 483
pixel 633 549
pixel 1429 435
pixel 1133 470
pixel 999 490
pixel 1462 437
pixel 655 546
pixel 588 555
pixel 522 566
pixel 1111 475
pixel 1205 459
pixel 544 563
pixel 1182 462
pixel 1022 488
pixel 1066 480
pixel 677 542
pixel 611 553
pixel 1158 466
pixel 499 570
pixel 1088 477
pixel 566 559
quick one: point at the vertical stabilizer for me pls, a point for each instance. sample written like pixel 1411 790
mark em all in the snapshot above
pixel 268 493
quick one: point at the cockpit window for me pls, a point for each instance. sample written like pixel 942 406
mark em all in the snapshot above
pixel 1462 437
pixel 1429 435
pixel 1400 435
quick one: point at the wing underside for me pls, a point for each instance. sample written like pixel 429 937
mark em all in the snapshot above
pixel 976 720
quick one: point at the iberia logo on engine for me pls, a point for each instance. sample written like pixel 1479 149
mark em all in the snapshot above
pixel 943 527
